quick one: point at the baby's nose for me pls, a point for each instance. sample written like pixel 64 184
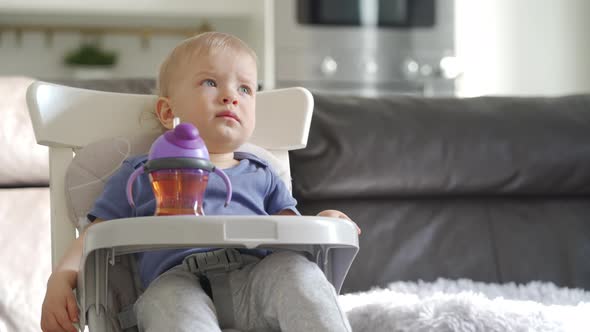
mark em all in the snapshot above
pixel 230 100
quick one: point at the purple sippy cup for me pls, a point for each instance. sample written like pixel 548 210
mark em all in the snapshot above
pixel 179 166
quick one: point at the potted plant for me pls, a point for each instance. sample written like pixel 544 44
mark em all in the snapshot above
pixel 90 61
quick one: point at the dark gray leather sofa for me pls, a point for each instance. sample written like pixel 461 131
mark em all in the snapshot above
pixel 494 189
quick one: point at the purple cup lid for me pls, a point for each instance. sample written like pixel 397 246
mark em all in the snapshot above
pixel 182 141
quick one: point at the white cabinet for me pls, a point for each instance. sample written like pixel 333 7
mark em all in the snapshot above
pixel 26 30
pixel 217 8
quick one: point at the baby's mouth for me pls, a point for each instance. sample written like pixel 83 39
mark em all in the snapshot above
pixel 228 114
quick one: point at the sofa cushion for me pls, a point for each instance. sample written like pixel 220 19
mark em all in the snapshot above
pixel 406 146
pixel 25 256
pixel 24 162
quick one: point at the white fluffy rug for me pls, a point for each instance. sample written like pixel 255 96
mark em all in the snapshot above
pixel 464 305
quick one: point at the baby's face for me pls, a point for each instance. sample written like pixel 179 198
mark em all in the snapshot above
pixel 217 93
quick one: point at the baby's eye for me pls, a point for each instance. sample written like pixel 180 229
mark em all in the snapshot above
pixel 209 82
pixel 245 89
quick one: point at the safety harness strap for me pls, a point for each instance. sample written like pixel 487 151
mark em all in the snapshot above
pixel 215 265
pixel 222 298
pixel 127 319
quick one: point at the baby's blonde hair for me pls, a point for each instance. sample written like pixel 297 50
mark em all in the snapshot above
pixel 203 43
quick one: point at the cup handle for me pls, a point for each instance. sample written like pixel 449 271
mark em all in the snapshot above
pixel 227 184
pixel 129 187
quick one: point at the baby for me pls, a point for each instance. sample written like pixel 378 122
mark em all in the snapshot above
pixel 210 81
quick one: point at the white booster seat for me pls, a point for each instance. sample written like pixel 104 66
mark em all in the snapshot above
pixel 89 133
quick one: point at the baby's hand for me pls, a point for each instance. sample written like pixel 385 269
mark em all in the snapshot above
pixel 59 310
pixel 337 214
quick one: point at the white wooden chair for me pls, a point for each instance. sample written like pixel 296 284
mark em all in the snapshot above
pixel 68 119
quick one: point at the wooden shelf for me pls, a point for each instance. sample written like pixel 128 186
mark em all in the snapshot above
pixel 142 31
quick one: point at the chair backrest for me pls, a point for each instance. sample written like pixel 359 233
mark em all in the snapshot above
pixel 67 119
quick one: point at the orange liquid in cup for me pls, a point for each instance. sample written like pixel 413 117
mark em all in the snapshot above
pixel 179 191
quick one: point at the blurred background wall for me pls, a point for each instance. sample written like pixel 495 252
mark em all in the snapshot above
pixel 504 47
pixel 524 47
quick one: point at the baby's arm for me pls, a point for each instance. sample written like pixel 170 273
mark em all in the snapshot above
pixel 280 197
pixel 59 308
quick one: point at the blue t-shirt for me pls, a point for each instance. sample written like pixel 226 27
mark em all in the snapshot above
pixel 257 190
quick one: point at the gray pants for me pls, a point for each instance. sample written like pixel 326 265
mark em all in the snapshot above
pixel 283 292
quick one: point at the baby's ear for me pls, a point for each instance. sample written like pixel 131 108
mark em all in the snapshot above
pixel 164 112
